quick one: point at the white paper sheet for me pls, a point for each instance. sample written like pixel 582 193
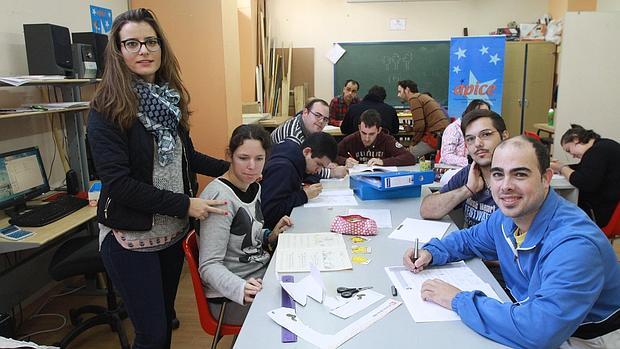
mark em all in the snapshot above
pixel 409 287
pixel 335 53
pixel 330 198
pixel 363 168
pixel 357 303
pixel 383 217
pixel 311 286
pixel 411 228
pixel 288 319
pixel 12 343
pixel 325 250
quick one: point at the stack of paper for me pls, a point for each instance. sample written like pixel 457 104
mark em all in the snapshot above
pixel 20 80
pixel 363 168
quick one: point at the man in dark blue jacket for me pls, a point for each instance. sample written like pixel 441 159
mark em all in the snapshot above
pixel 286 168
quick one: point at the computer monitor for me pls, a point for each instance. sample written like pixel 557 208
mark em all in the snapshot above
pixel 22 178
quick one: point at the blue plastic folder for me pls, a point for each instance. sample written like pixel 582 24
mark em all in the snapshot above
pixel 390 185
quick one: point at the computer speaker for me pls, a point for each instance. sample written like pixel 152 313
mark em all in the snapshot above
pixel 72 182
pixel 48 49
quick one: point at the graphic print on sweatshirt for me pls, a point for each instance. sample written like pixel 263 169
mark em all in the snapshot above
pixel 244 225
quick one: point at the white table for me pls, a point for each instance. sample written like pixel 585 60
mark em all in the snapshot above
pixel 397 329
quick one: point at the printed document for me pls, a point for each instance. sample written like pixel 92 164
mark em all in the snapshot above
pixel 409 287
pixel 326 251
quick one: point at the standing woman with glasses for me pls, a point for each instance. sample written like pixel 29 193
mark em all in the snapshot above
pixel 138 130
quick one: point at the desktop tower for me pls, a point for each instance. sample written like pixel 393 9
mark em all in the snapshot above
pixel 48 49
pixel 98 42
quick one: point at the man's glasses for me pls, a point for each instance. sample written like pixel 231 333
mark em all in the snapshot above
pixel 134 46
pixel 320 118
pixel 484 135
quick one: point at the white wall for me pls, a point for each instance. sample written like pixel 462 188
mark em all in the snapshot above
pixel 588 92
pixel 35 131
pixel 608 5
pixel 319 23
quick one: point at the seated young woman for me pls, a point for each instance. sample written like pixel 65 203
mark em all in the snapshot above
pixel 234 248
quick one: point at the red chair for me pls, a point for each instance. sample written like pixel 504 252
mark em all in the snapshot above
pixel 215 328
pixel 612 229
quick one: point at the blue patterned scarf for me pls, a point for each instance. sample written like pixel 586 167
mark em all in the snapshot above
pixel 159 113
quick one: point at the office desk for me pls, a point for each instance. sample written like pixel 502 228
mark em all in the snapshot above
pixel 273 122
pixel 544 127
pixel 49 232
pixel 397 329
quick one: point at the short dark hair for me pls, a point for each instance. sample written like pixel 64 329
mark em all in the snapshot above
pixel 541 151
pixel 413 87
pixel 579 133
pixel 371 118
pixel 322 144
pixel 251 131
pixel 378 91
pixel 498 121
pixel 475 104
pixel 310 103
pixel 353 82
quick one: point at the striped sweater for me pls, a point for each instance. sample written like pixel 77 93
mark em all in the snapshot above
pixel 294 129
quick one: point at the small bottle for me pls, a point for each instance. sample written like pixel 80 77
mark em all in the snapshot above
pixel 550 115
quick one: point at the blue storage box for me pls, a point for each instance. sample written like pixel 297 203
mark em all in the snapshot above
pixel 390 185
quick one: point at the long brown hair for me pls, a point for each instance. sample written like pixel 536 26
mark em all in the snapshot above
pixel 115 97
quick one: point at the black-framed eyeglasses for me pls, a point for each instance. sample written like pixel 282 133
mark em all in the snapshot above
pixel 134 46
pixel 484 135
pixel 320 118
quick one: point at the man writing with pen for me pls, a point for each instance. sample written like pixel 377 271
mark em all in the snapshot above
pixel 372 146
pixel 558 265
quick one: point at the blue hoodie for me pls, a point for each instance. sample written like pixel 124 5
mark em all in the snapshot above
pixel 564 276
pixel 282 182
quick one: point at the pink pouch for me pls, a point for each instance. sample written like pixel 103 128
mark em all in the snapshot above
pixel 354 225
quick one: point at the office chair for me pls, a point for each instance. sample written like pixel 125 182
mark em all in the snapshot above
pixel 80 256
pixel 210 325
pixel 547 141
pixel 612 229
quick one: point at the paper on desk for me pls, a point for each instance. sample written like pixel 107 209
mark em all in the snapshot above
pixel 363 168
pixel 311 286
pixel 557 176
pixel 325 250
pixel 409 287
pixel 12 343
pixel 335 53
pixel 334 197
pixel 411 228
pixel 357 303
pixel 288 319
pixel 20 80
pixel 331 128
pixel 383 217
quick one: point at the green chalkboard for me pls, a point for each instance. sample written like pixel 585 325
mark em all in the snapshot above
pixel 385 63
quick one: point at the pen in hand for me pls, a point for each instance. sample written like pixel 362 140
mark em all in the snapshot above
pixel 415 250
pixel 351 156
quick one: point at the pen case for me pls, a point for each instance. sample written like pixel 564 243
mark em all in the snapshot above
pixel 354 225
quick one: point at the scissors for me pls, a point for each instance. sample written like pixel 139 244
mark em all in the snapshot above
pixel 348 292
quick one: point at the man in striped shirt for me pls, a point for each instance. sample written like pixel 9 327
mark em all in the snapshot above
pixel 311 119
pixel 429 120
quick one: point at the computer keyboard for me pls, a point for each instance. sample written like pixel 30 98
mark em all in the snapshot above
pixel 42 215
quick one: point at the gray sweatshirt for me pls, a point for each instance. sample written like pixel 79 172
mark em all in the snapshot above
pixel 231 246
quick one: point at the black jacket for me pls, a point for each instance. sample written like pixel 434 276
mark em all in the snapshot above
pixel 124 162
pixel 597 176
pixel 389 119
pixel 282 182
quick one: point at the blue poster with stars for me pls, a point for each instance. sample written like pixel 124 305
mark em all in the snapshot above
pixel 101 19
pixel 476 72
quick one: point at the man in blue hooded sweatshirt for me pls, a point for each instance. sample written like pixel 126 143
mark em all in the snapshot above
pixel 284 173
pixel 557 263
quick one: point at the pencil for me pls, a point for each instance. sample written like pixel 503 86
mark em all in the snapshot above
pixel 351 156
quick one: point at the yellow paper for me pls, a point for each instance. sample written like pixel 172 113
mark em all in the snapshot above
pixel 360 260
pixel 360 249
pixel 359 239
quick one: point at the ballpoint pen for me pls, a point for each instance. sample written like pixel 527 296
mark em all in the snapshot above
pixel 415 250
